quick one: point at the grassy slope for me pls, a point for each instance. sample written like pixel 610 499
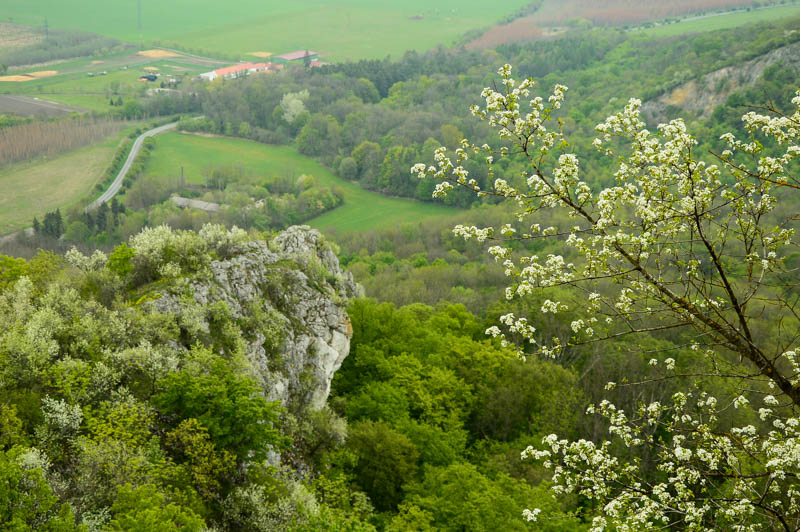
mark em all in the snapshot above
pixel 720 22
pixel 344 28
pixel 33 188
pixel 361 210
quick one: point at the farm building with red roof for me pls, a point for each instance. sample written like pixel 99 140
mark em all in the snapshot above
pixel 235 71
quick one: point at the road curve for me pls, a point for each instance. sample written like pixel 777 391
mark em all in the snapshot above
pixel 137 145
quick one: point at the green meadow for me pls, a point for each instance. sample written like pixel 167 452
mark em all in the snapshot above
pixel 91 102
pixel 721 22
pixel 343 29
pixel 361 209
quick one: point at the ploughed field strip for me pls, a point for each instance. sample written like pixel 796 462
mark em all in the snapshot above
pixel 26 106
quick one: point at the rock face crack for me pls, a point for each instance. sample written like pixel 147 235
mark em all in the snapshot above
pixel 296 280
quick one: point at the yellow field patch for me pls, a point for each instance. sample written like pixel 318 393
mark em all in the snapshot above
pixel 96 62
pixel 42 73
pixel 152 69
pixel 679 95
pixel 261 54
pixel 15 78
pixel 158 53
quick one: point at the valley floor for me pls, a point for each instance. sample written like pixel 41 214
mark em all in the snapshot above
pixel 362 209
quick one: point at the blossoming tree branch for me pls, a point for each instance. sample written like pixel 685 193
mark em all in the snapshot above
pixel 677 243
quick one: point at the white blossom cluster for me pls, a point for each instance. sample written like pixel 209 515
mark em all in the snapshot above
pixel 96 261
pixel 171 252
pixel 156 241
pixel 675 241
pixel 737 479
pixel 61 417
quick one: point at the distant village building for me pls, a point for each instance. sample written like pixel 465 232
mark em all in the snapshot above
pixel 295 57
pixel 239 70
pixel 258 67
pixel 195 204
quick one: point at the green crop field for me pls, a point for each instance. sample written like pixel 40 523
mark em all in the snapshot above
pixel 36 187
pixel 361 210
pixel 720 22
pixel 343 29
pixel 90 102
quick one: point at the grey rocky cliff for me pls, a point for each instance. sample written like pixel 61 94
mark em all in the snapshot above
pixel 296 285
pixel 701 96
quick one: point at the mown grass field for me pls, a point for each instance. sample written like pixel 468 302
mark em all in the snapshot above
pixel 33 188
pixel 362 209
pixel 721 22
pixel 90 102
pixel 342 29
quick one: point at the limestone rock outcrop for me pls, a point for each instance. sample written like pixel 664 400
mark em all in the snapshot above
pixel 295 286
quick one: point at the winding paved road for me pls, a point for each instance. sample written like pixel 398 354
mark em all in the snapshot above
pixel 137 145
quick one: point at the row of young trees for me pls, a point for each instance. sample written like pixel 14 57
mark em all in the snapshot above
pixel 48 138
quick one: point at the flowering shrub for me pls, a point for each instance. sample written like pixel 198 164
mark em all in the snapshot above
pixel 164 252
pixel 677 243
pixel 97 260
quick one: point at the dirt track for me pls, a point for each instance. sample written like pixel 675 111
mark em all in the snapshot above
pixel 26 106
